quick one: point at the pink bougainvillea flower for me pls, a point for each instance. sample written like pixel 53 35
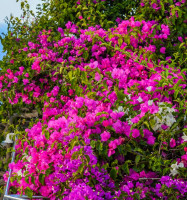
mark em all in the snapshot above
pixel 45 190
pixel 135 133
pixel 142 4
pixel 25 81
pixel 135 119
pixel 164 127
pixel 150 65
pixel 71 92
pixel 151 140
pixel 154 5
pixel 180 39
pixel 25 49
pixel 105 136
pixel 184 159
pixel 26 75
pixel 163 50
pixel 178 4
pixel 12 61
pixel 172 143
pixel 97 76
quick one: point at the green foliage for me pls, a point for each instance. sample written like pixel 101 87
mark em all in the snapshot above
pixel 174 16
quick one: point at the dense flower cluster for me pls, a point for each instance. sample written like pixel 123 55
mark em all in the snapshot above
pixel 112 113
pixel 158 5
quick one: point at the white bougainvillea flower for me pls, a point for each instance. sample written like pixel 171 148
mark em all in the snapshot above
pixel 181 164
pixel 170 120
pixel 140 99
pixel 150 102
pixel 157 126
pixel 149 88
pixel 174 169
pixel 170 110
pixel 120 109
pixel 173 172
pixel 129 120
pixel 174 166
pixel 184 137
pixel 129 97
pixel 20 173
pixel 127 111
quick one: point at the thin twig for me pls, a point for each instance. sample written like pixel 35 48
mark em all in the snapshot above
pixel 149 178
pixel 160 147
pixel 157 178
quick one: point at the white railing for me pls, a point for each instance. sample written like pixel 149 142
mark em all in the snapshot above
pixel 8 196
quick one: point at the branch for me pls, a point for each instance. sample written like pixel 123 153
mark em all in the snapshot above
pixel 29 115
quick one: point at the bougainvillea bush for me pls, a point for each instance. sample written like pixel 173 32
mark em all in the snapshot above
pixel 113 118
pixel 174 14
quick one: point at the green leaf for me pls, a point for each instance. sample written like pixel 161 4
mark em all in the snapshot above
pixel 179 119
pixel 27 179
pixel 166 93
pixel 136 196
pixel 32 180
pixel 87 158
pixel 184 70
pixel 166 171
pixel 47 134
pixel 120 41
pixel 29 192
pixel 105 166
pixel 99 146
pixel 147 124
pixel 114 163
pixel 92 143
pixel 113 173
pixel 176 93
pixel 80 169
pixel 70 74
pixel 137 159
pixel 125 168
pixel 22 5
pixel 84 77
pixel 74 155
pixel 42 178
pixel 73 143
pixel 101 113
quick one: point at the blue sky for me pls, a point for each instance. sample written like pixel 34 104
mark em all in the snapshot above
pixel 8 7
pixel 3 28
